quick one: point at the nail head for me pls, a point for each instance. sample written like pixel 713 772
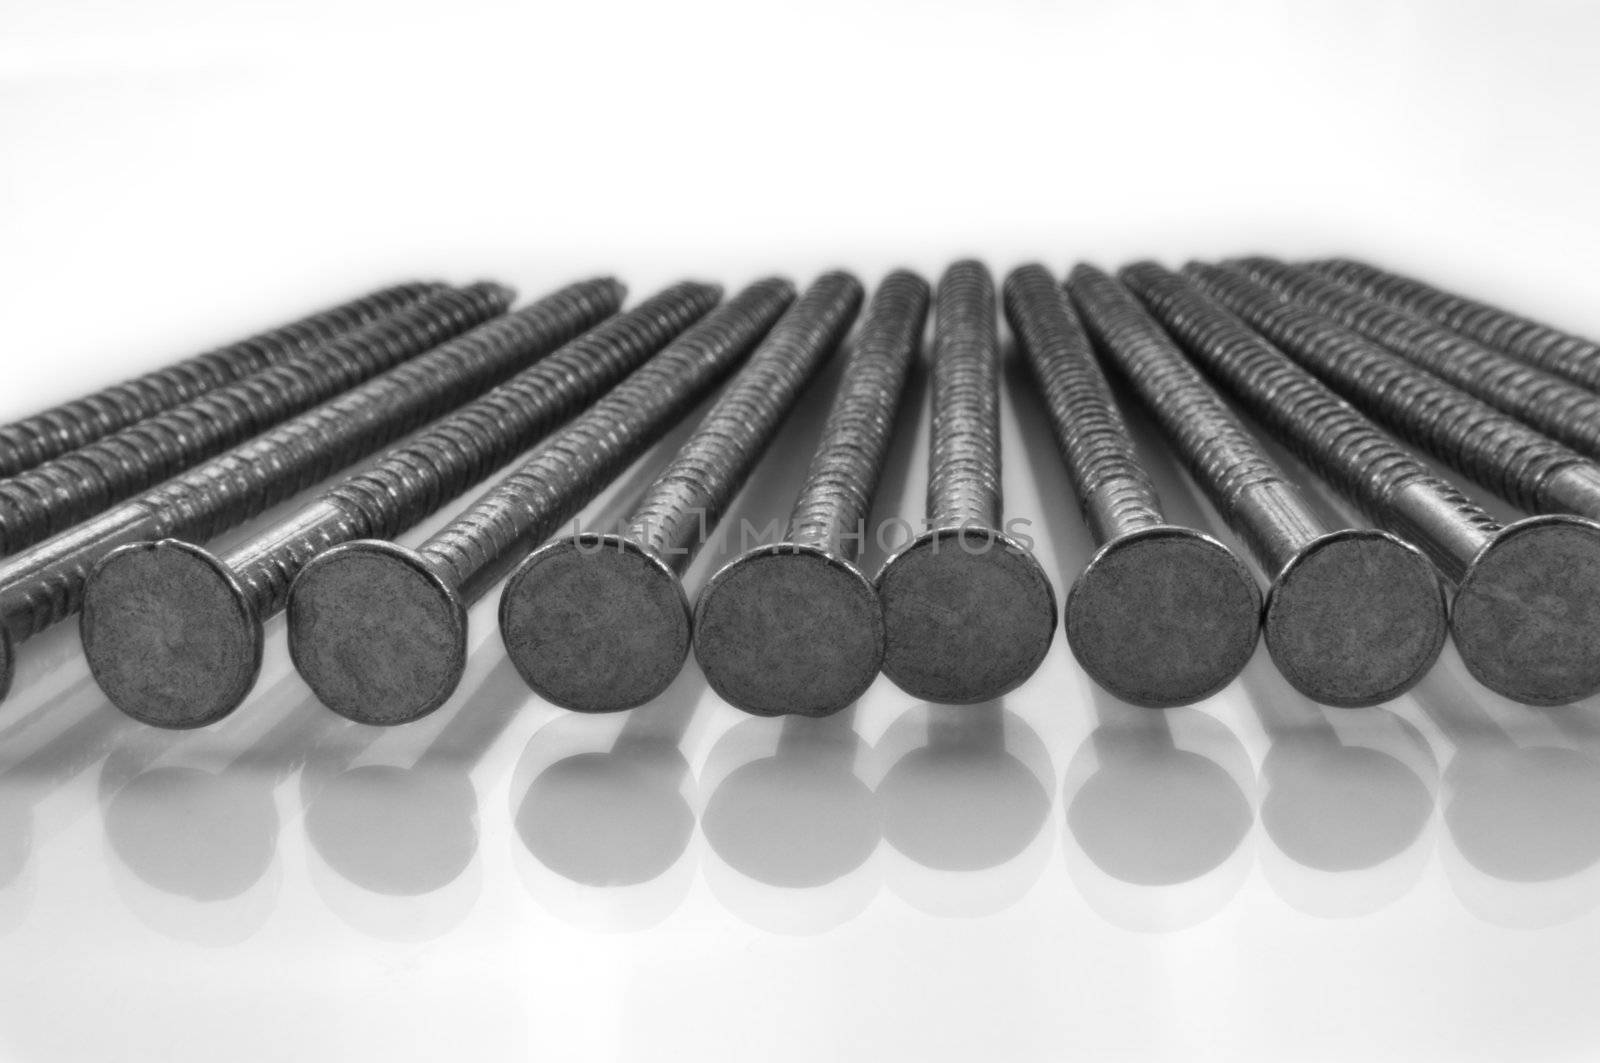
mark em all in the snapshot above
pixel 169 635
pixel 1356 619
pixel 596 623
pixel 1526 616
pixel 789 630
pixel 1164 616
pixel 968 615
pixel 380 638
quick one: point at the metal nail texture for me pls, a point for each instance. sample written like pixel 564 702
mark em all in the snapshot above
pixel 173 633
pixel 795 627
pixel 968 613
pixel 1549 403
pixel 1499 452
pixel 58 494
pixel 1353 616
pixel 53 432
pixel 44 585
pixel 601 623
pixel 1162 615
pixel 1527 594
pixel 1555 351
pixel 380 631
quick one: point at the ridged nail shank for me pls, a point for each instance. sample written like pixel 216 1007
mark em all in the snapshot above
pixel 1551 349
pixel 794 627
pixel 1353 616
pixel 58 494
pixel 968 613
pixel 380 632
pixel 53 432
pixel 173 633
pixel 1527 596
pixel 43 585
pixel 601 623
pixel 1161 615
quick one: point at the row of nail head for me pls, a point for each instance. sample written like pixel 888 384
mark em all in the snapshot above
pixel 1351 367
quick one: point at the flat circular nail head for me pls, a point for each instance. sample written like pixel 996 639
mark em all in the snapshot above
pixel 1526 616
pixel 169 635
pixel 376 634
pixel 1356 619
pixel 595 623
pixel 1164 616
pixel 968 616
pixel 789 630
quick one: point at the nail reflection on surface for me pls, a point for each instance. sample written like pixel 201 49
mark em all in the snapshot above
pixel 228 836
pixel 195 827
pixel 1158 806
pixel 603 814
pixel 34 762
pixel 1348 796
pixel 1526 814
pixel 1521 804
pixel 963 803
pixel 1348 803
pixel 793 821
pixel 399 832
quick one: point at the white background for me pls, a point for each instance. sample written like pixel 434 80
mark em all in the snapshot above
pixel 1271 881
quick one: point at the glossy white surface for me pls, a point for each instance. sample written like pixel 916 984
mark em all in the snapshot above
pixel 1059 877
pixel 1250 877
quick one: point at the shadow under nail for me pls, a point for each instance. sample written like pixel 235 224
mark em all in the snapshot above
pixel 964 802
pixel 1521 801
pixel 617 816
pixel 1159 804
pixel 1348 796
pixel 793 822
pixel 192 816
pixel 403 826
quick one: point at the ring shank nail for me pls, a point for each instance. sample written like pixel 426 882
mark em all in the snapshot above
pixel 795 627
pixel 968 613
pixel 602 623
pixel 173 633
pixel 1533 585
pixel 363 666
pixel 49 434
pixel 1353 617
pixel 1161 615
